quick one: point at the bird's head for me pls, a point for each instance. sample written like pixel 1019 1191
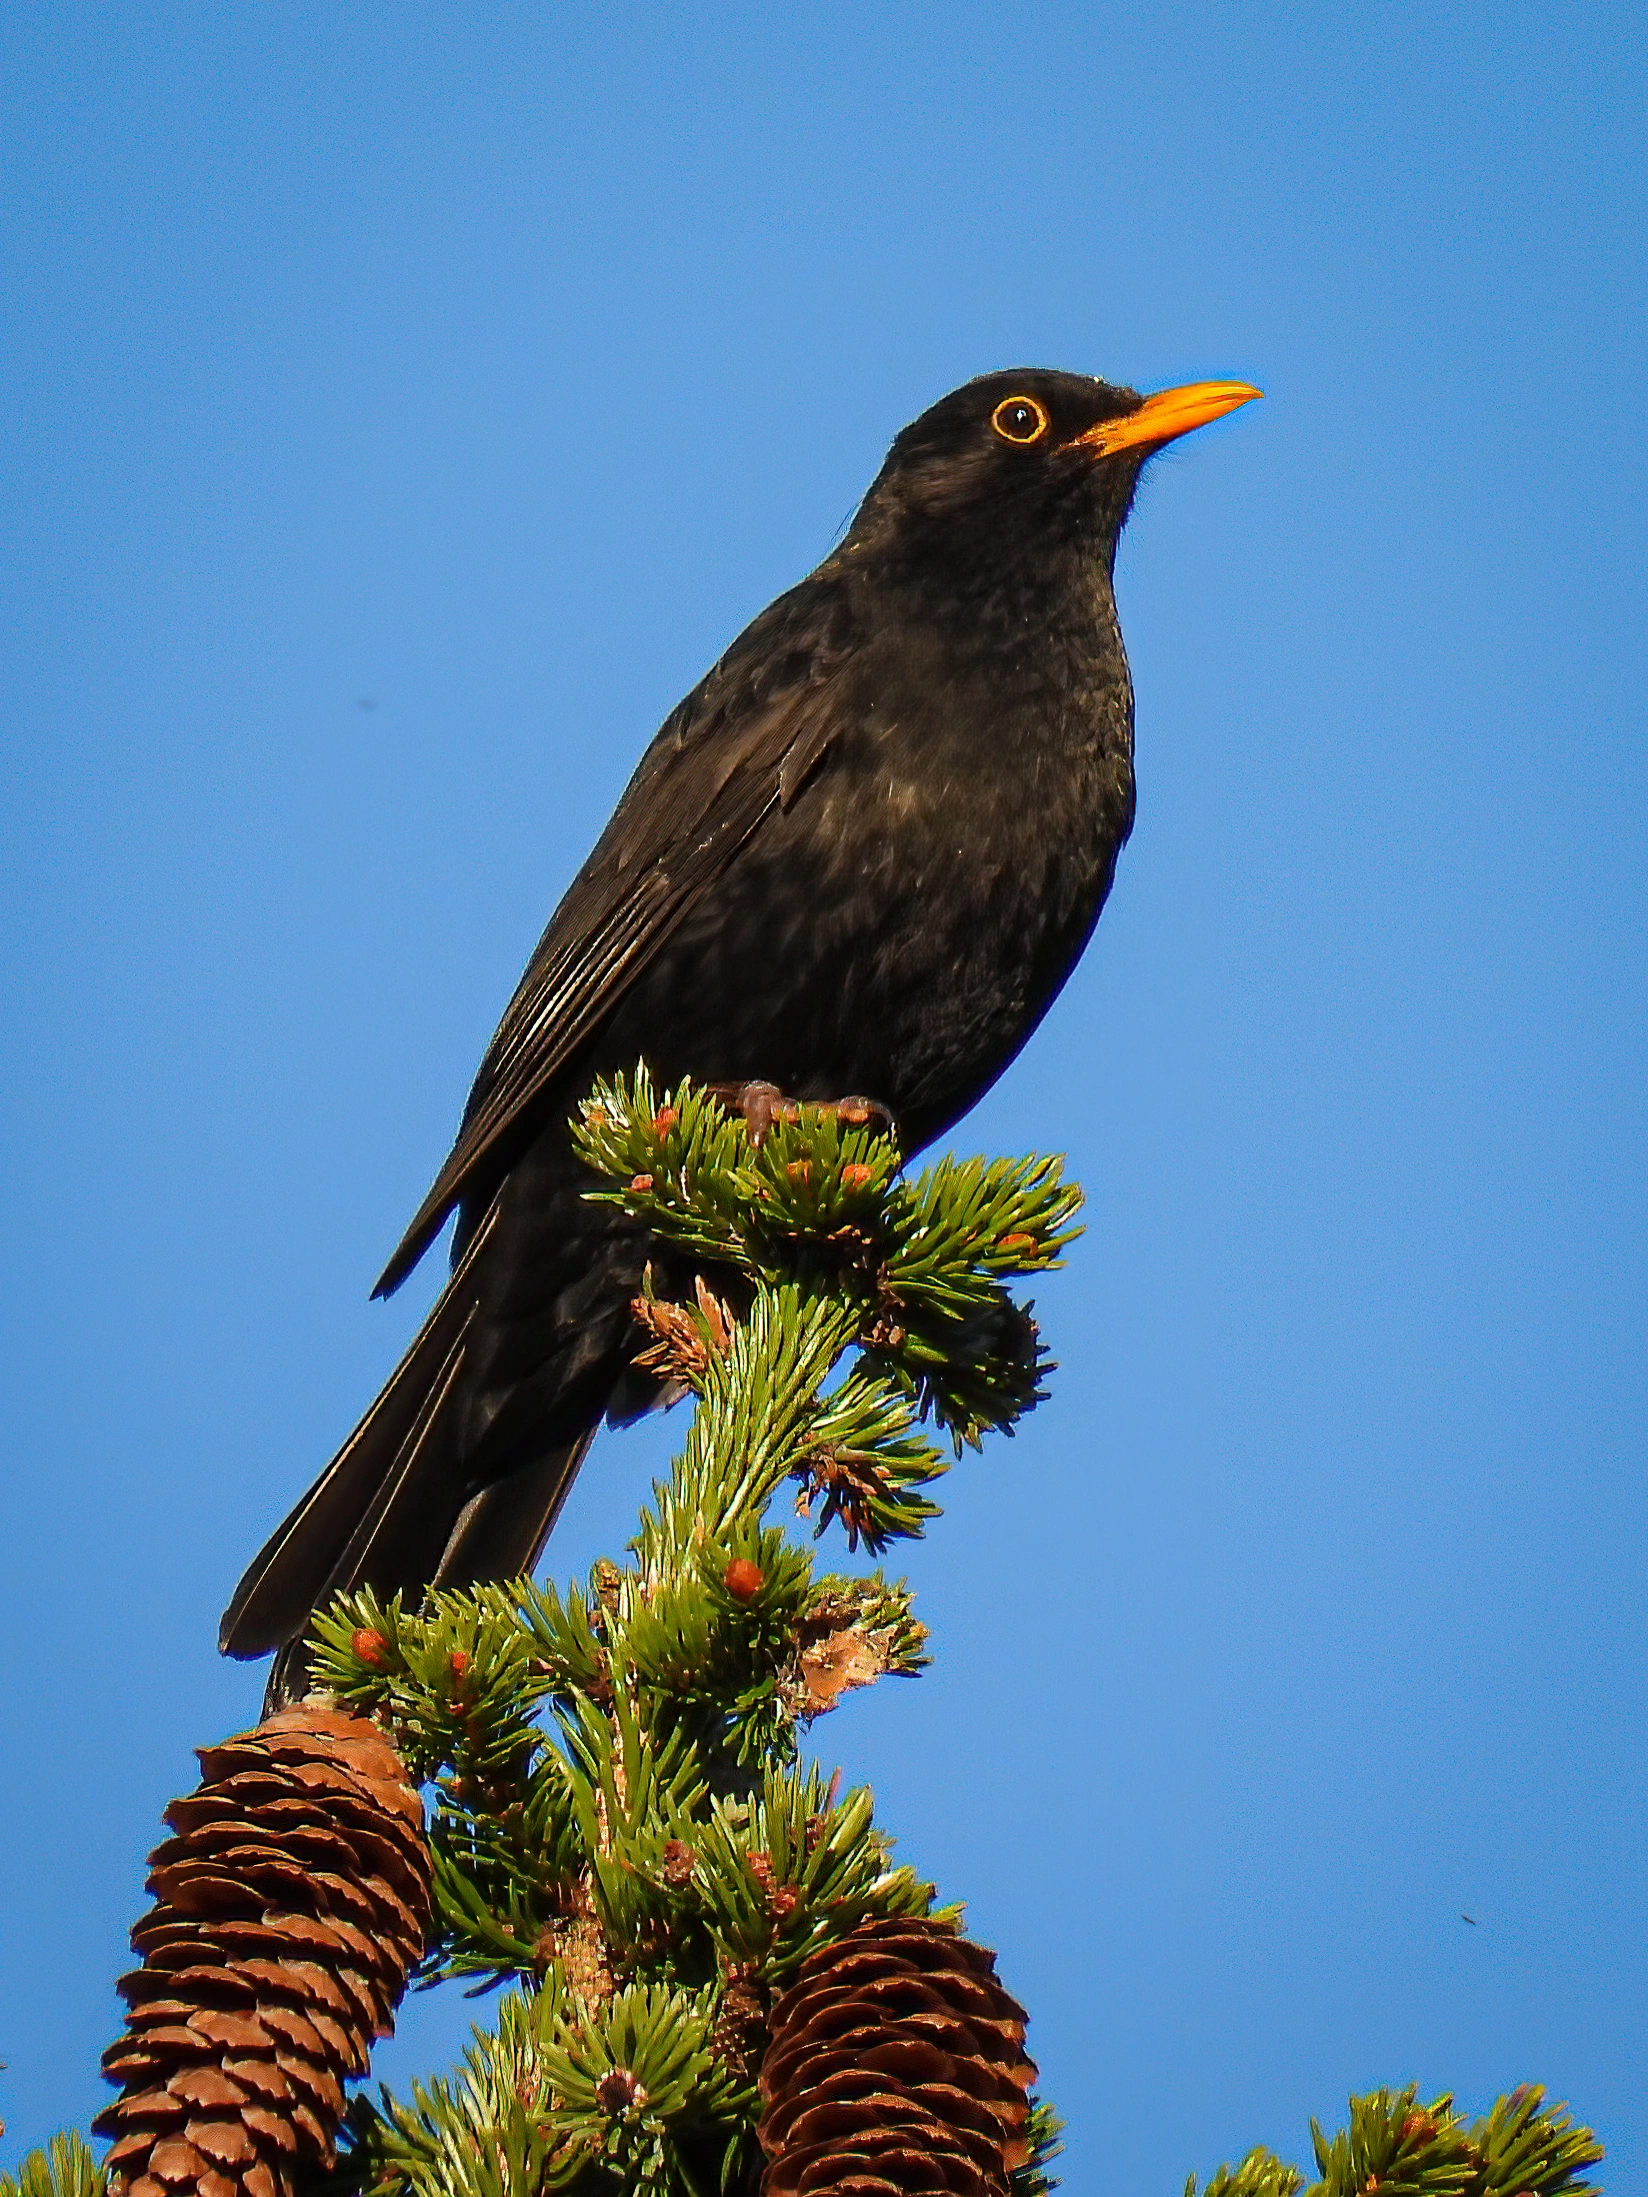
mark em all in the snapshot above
pixel 1028 457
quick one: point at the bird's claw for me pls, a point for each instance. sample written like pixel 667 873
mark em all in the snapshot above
pixel 763 1104
pixel 858 1112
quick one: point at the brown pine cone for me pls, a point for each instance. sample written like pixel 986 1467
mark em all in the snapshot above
pixel 739 2035
pixel 897 2064
pixel 288 1910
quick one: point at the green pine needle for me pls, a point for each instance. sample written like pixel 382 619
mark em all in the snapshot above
pixel 1396 2147
pixel 65 2168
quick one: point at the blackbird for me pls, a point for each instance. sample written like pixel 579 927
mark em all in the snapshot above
pixel 862 856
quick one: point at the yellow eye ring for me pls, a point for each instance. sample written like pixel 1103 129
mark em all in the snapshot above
pixel 1020 420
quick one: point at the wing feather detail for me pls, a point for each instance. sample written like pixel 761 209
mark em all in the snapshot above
pixel 736 748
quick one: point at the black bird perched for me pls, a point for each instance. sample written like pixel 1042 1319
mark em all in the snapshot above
pixel 862 856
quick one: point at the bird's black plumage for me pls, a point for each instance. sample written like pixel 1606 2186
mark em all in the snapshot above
pixel 861 856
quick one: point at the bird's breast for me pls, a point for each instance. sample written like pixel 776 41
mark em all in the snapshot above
pixel 902 925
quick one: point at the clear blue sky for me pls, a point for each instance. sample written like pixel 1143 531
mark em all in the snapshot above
pixel 490 365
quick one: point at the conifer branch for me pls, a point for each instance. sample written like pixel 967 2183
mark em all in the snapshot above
pixel 1396 2147
pixel 716 1978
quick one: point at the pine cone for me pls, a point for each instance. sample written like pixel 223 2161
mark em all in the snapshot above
pixel 288 1910
pixel 897 2063
pixel 739 2034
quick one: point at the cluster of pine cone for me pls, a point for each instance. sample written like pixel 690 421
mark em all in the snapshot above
pixel 292 1901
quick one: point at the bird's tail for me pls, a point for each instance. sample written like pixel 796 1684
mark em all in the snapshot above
pixel 394 1508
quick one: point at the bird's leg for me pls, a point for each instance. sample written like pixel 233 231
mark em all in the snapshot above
pixel 762 1104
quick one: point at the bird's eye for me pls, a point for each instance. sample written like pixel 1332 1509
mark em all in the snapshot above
pixel 1020 419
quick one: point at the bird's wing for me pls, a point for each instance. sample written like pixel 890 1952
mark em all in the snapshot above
pixel 742 743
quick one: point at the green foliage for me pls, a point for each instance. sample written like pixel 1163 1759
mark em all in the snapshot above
pixel 1399 2148
pixel 1043 2132
pixel 623 1829
pixel 625 1836
pixel 562 2095
pixel 1261 2174
pixel 65 2168
pixel 841 1251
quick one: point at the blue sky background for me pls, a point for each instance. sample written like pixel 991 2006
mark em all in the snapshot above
pixel 490 365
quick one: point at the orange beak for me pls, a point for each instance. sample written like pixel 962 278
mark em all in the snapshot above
pixel 1169 413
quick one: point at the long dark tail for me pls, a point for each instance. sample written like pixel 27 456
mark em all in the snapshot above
pixel 460 1468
